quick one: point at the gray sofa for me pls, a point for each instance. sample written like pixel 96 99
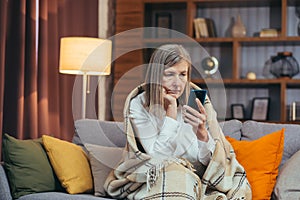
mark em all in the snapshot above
pixel 110 134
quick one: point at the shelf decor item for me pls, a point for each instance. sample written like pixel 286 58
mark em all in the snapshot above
pixel 251 76
pixel 284 65
pixel 260 108
pixel 269 32
pixel 163 20
pixel 295 111
pixel 237 111
pixel 267 69
pixel 204 27
pixel 210 66
pixel 238 29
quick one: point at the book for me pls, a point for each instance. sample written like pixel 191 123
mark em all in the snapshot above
pixel 268 32
pixel 211 27
pixel 196 29
pixel 204 27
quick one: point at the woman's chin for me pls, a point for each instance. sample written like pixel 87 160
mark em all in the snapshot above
pixel 176 96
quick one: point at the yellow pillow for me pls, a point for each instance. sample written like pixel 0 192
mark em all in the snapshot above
pixel 70 164
pixel 261 159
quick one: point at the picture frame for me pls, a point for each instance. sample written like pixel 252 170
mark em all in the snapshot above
pixel 163 20
pixel 237 111
pixel 260 108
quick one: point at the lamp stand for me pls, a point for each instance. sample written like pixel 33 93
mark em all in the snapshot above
pixel 84 84
pixel 85 91
pixel 101 98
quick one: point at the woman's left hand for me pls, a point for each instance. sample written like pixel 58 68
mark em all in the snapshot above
pixel 197 119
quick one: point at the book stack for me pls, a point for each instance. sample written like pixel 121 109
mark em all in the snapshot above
pixel 204 27
pixel 268 32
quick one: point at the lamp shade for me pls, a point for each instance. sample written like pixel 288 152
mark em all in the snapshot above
pixel 84 55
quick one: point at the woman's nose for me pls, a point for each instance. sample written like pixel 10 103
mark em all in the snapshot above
pixel 176 80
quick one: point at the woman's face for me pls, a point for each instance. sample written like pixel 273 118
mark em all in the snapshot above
pixel 175 78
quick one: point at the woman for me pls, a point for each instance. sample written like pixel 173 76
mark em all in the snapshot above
pixel 165 125
pixel 164 136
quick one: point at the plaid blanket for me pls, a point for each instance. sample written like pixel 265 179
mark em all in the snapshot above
pixel 140 176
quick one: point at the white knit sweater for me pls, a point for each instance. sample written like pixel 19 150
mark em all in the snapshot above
pixel 168 137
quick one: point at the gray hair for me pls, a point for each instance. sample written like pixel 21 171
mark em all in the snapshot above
pixel 162 58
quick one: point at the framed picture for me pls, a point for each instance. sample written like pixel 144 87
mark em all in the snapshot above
pixel 163 20
pixel 237 111
pixel 260 108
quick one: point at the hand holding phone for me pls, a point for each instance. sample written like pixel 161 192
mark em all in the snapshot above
pixel 200 94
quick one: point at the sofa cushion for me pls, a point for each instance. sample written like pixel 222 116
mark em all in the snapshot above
pixel 252 130
pixel 232 128
pixel 104 133
pixel 103 160
pixel 70 164
pixel 27 166
pixel 60 196
pixel 261 159
pixel 287 185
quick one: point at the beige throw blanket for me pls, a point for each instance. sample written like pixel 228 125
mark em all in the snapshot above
pixel 140 176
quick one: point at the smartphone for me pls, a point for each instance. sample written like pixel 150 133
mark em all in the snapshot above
pixel 200 94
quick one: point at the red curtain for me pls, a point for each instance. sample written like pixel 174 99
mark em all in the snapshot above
pixel 34 98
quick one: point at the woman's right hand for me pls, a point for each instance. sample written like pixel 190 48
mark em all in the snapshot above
pixel 170 104
pixel 197 119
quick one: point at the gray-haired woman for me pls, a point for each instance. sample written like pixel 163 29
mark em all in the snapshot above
pixel 167 140
pixel 161 120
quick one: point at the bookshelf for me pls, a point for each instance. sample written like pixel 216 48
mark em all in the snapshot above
pixel 237 56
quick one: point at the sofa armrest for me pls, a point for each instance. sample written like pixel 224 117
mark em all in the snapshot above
pixel 4 186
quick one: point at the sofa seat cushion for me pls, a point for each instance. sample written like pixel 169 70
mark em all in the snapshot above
pixel 252 130
pixel 60 196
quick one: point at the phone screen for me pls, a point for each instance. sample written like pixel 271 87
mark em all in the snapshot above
pixel 200 94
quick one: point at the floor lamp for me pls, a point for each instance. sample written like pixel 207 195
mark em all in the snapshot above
pixel 85 56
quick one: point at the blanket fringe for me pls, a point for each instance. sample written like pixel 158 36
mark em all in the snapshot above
pixel 154 171
pixel 152 175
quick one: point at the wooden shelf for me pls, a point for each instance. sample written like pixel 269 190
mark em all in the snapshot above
pixel 249 82
pixel 293 3
pixel 169 40
pixel 245 41
pixel 164 1
pixel 232 53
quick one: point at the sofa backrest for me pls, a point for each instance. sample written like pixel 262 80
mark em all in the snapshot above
pixel 253 130
pixel 232 128
pixel 104 133
pixel 111 134
pixel 108 133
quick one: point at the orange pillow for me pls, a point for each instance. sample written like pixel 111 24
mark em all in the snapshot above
pixel 261 159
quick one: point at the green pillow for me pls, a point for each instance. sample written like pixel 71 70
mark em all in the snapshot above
pixel 27 167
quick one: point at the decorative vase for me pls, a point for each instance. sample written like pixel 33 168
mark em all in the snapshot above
pixel 284 65
pixel 238 29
